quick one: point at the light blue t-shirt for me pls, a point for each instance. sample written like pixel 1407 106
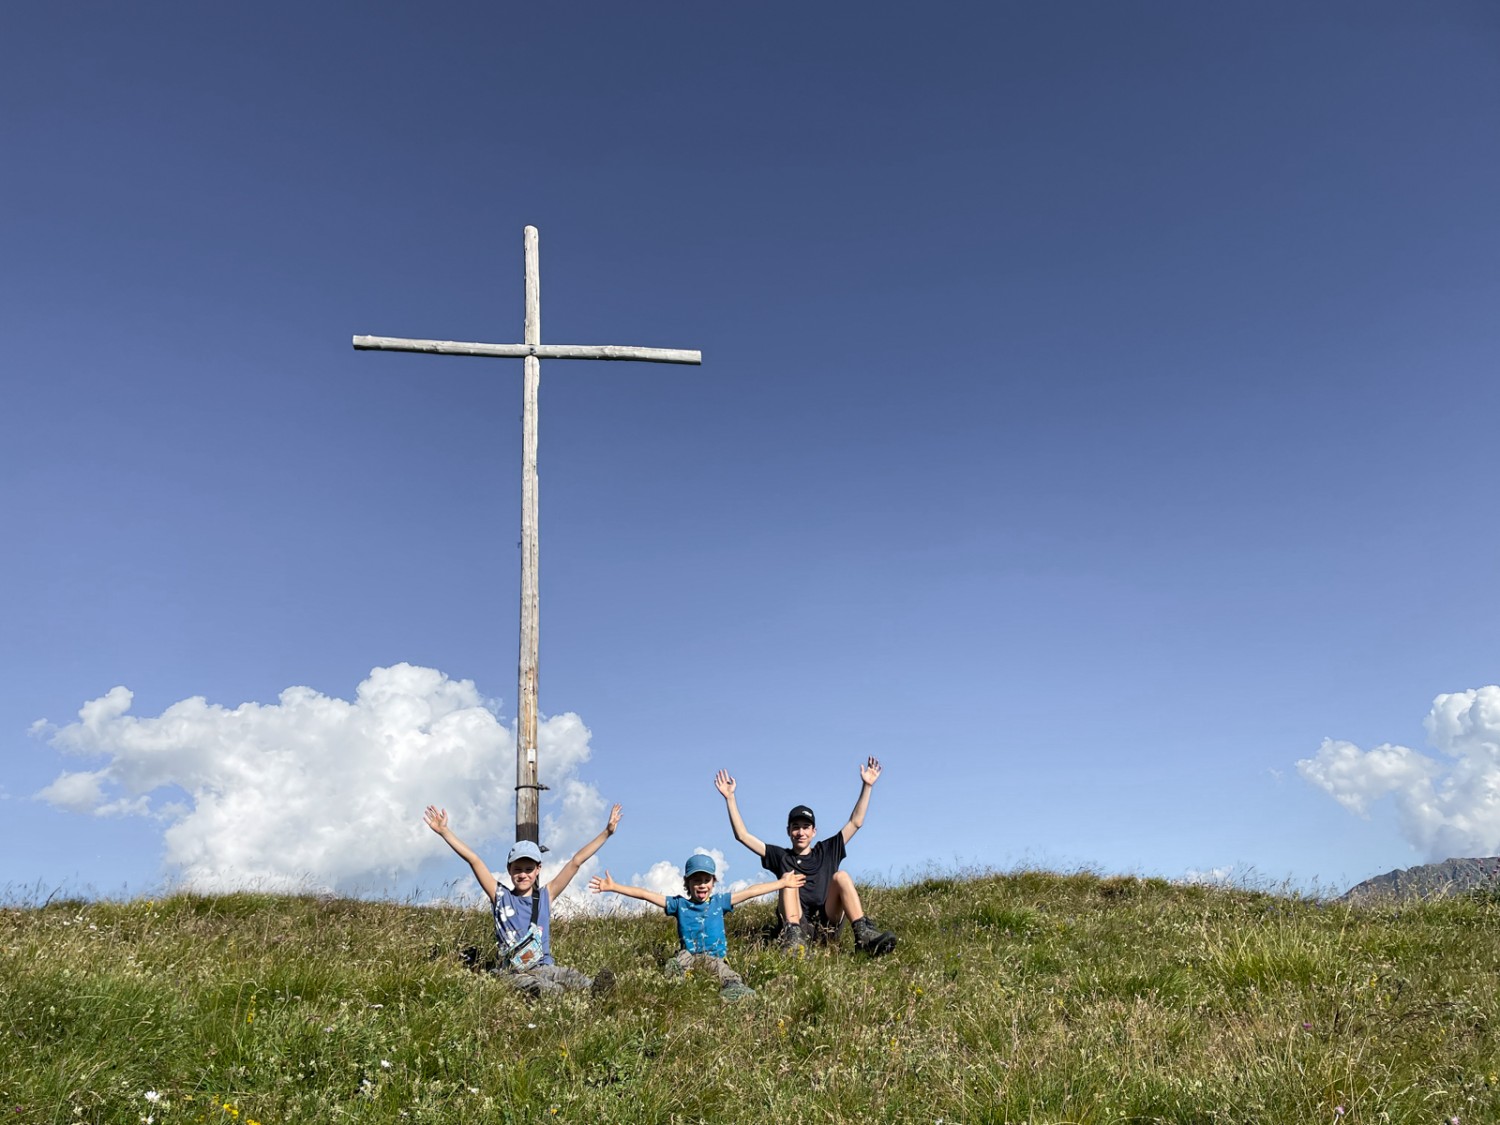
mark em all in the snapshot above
pixel 700 925
pixel 513 919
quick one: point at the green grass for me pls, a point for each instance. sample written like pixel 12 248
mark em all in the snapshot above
pixel 1029 997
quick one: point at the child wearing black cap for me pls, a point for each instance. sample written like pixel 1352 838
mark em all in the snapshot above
pixel 700 918
pixel 828 896
pixel 523 911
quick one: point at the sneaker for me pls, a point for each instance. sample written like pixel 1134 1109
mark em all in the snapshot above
pixel 792 939
pixel 870 939
pixel 604 982
pixel 736 990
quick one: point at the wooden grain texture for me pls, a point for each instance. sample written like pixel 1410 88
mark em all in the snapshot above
pixel 528 810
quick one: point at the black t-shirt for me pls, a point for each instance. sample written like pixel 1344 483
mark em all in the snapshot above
pixel 819 864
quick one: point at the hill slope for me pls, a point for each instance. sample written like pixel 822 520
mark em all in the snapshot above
pixel 1020 997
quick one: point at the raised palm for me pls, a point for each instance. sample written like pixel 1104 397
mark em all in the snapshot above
pixel 601 883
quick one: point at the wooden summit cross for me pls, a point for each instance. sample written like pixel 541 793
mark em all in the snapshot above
pixel 533 351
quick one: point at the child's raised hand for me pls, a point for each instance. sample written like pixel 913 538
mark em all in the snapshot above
pixel 614 820
pixel 724 783
pixel 601 882
pixel 436 818
pixel 869 773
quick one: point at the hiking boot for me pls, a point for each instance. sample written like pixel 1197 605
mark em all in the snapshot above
pixel 792 940
pixel 736 990
pixel 869 938
pixel 604 982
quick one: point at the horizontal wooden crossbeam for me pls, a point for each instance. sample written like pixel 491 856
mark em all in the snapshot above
pixel 521 351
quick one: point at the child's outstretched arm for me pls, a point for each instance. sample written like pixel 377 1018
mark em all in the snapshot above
pixel 437 820
pixel 726 786
pixel 869 774
pixel 603 882
pixel 561 880
pixel 791 880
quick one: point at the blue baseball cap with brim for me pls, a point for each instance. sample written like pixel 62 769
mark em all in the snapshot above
pixel 699 864
pixel 524 849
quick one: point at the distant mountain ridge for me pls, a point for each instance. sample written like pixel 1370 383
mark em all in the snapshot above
pixel 1430 880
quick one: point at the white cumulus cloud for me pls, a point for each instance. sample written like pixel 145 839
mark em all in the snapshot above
pixel 316 792
pixel 1449 804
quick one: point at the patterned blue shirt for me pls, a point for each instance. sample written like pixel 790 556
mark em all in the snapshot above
pixel 513 918
pixel 700 925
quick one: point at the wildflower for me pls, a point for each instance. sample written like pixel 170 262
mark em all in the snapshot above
pixel 385 1064
pixel 473 1089
pixel 1306 1026
pixel 1338 1111
pixel 152 1096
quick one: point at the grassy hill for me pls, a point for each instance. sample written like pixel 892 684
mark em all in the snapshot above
pixel 1022 997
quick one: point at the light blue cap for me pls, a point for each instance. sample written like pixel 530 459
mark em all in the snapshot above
pixel 524 849
pixel 698 863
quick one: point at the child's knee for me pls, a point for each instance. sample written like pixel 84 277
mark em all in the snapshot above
pixel 841 888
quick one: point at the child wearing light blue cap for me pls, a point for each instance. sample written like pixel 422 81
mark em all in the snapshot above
pixel 523 911
pixel 700 918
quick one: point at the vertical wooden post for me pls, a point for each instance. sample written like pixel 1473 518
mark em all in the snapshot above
pixel 527 784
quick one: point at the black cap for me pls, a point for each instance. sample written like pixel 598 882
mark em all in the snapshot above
pixel 802 812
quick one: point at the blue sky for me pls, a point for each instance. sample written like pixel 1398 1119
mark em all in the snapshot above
pixel 1095 424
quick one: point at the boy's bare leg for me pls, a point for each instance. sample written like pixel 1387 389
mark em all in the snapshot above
pixel 843 901
pixel 792 939
pixel 791 906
